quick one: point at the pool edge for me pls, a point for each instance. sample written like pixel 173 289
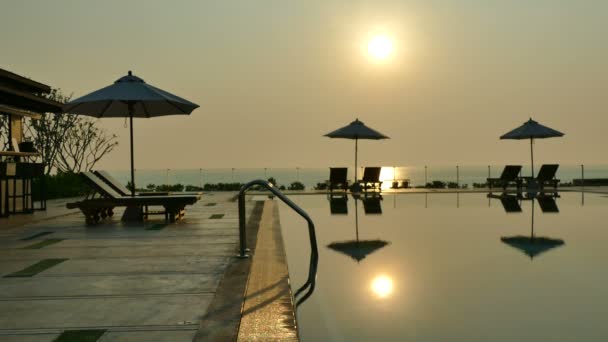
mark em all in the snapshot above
pixel 268 310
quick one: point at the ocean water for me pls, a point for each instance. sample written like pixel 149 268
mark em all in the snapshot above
pixel 418 175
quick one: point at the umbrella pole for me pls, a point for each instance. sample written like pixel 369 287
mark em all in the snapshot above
pixel 356 140
pixel 132 162
pixel 532 233
pixel 532 154
pixel 356 221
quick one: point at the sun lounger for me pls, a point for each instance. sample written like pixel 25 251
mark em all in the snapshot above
pixel 338 178
pixel 102 199
pixel 120 188
pixel 546 175
pixel 371 179
pixel 509 176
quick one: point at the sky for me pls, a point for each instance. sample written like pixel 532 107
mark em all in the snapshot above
pixel 271 77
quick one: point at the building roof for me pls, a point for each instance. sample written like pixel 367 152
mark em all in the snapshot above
pixel 22 93
pixel 15 81
pixel 18 112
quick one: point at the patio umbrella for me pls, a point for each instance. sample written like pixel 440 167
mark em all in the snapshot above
pixel 532 130
pixel 129 97
pixel 357 249
pixel 356 130
pixel 532 245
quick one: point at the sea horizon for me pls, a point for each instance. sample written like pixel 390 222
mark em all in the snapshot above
pixel 466 174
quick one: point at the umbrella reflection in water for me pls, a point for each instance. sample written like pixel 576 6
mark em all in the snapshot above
pixel 531 245
pixel 359 249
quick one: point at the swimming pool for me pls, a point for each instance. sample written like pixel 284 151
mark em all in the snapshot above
pixel 453 267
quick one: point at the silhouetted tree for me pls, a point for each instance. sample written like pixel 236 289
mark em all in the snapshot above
pixel 83 146
pixel 66 142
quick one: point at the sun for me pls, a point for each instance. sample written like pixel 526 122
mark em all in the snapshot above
pixel 380 47
pixel 382 286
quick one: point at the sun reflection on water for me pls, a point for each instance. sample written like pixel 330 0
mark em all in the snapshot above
pixel 382 286
pixel 388 174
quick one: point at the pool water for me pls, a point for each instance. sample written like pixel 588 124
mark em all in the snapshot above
pixel 452 267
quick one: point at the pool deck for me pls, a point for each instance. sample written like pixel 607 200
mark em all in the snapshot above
pixel 143 282
pixel 151 281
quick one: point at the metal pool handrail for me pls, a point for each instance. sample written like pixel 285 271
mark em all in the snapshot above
pixel 314 252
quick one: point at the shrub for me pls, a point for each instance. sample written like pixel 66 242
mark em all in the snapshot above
pixel 296 186
pixel 223 187
pixel 61 185
pixel 436 185
pixel 321 186
pixel 452 185
pixel 170 188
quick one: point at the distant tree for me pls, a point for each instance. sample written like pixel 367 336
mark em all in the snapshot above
pixel 272 181
pixel 66 142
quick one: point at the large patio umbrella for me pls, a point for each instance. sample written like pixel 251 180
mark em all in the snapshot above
pixel 356 130
pixel 532 245
pixel 357 249
pixel 130 97
pixel 532 130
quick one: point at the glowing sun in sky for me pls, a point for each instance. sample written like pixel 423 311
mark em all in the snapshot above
pixel 380 47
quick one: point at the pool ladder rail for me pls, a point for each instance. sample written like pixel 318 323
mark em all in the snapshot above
pixel 309 285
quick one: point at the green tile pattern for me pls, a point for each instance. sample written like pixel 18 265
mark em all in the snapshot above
pixel 31 237
pixel 36 268
pixel 80 335
pixel 43 243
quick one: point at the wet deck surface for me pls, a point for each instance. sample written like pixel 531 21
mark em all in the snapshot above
pixel 142 282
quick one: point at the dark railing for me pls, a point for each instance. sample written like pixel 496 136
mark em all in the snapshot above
pixel 314 253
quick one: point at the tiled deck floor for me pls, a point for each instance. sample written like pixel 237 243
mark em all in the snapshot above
pixel 143 282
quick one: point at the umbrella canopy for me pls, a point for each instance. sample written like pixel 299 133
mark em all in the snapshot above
pixel 356 130
pixel 129 97
pixel 532 130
